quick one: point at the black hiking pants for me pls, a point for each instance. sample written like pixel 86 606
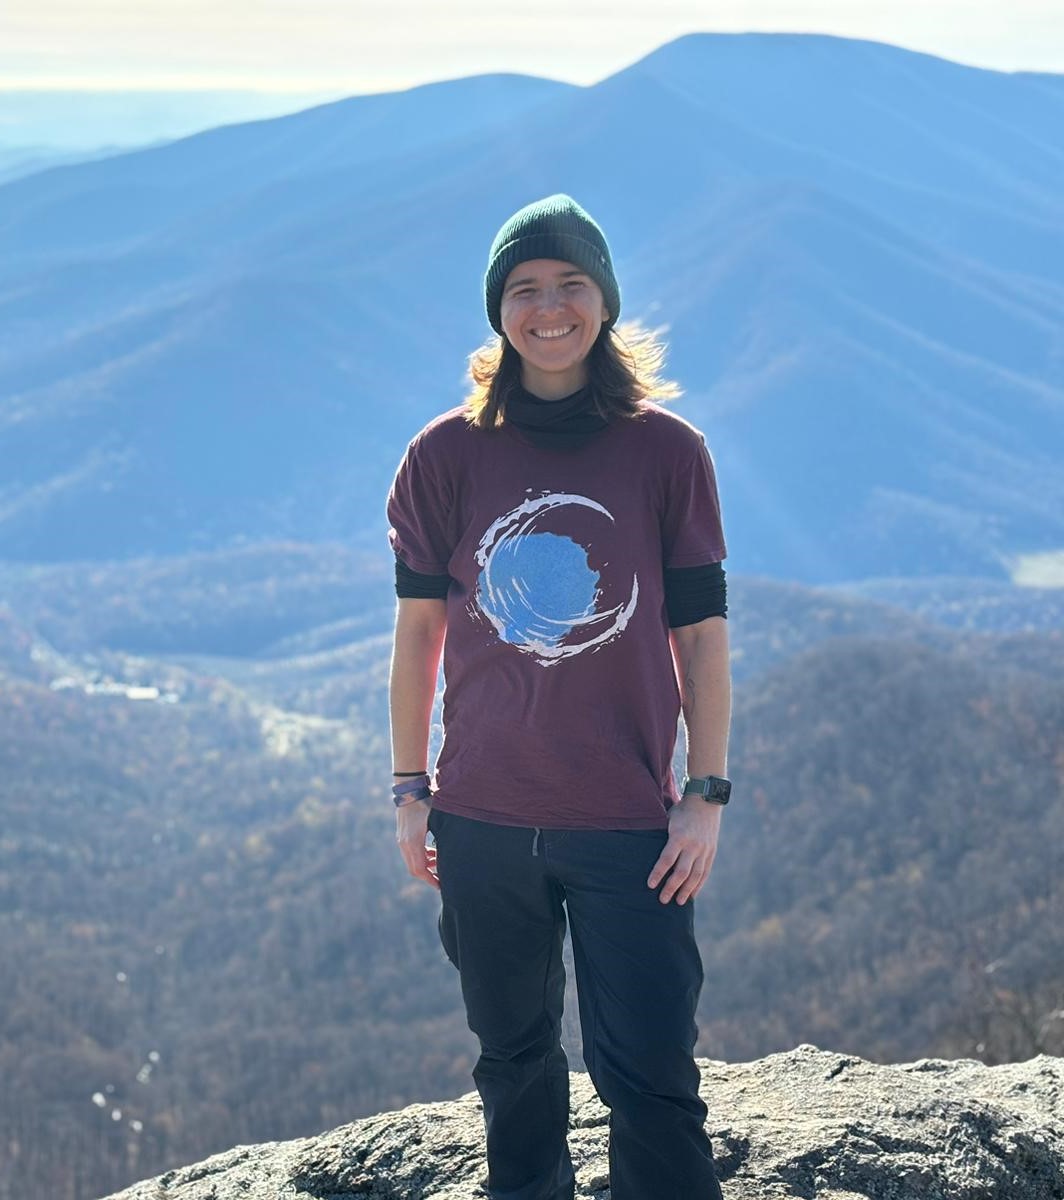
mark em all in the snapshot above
pixel 505 894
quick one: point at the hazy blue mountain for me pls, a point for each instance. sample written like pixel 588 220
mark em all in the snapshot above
pixel 857 251
pixel 82 120
pixel 18 161
pixel 984 605
pixel 308 627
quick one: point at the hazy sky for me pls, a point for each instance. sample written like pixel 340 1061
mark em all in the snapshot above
pixel 337 47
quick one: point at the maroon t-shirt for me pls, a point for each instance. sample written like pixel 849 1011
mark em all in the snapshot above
pixel 560 703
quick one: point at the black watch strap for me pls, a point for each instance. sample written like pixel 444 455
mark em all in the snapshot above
pixel 712 788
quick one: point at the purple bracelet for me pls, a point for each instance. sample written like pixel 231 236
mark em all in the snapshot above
pixel 412 790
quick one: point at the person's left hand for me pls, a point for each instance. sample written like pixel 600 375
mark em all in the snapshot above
pixel 694 827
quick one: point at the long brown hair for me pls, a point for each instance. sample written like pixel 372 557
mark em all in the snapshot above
pixel 623 368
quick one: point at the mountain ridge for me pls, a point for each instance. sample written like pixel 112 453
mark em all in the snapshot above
pixel 184 364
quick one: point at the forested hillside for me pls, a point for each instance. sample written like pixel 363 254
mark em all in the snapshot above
pixel 206 937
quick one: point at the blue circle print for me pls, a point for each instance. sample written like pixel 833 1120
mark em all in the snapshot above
pixel 538 588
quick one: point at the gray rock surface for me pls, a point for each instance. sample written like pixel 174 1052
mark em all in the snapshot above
pixel 805 1123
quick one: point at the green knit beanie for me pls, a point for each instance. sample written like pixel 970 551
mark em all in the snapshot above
pixel 554 227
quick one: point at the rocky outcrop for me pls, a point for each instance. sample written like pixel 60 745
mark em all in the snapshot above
pixel 807 1123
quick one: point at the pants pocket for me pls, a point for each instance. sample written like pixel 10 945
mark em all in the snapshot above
pixel 433 815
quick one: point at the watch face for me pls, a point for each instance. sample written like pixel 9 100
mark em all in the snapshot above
pixel 720 790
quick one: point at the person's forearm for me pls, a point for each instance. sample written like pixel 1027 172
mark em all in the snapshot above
pixel 703 673
pixel 419 636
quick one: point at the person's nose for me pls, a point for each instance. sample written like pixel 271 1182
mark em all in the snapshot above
pixel 551 299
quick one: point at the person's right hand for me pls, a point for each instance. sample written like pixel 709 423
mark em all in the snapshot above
pixel 411 826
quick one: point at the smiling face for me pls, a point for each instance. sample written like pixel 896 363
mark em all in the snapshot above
pixel 551 314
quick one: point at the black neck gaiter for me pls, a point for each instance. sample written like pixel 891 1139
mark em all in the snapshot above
pixel 554 424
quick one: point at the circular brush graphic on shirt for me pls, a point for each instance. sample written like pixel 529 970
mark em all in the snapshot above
pixel 543 589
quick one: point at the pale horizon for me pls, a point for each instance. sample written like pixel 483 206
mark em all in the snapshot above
pixel 78 76
pixel 331 46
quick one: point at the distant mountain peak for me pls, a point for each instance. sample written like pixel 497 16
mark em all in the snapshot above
pixel 797 46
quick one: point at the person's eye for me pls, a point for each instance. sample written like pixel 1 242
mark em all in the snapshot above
pixel 575 283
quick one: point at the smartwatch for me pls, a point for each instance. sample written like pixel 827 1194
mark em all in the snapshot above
pixel 712 788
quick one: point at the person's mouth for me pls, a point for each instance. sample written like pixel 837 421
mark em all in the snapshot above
pixel 548 335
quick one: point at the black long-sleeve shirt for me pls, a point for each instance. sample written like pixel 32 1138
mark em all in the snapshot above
pixel 691 593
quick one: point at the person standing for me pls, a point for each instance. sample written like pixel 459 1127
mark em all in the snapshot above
pixel 558 538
